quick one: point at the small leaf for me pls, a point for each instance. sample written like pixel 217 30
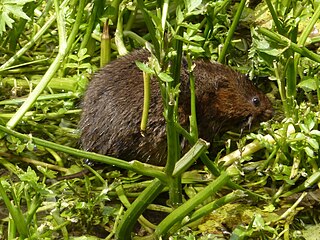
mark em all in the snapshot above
pixel 82 52
pixel 308 85
pixel 30 146
pixel 315 132
pixel 29 176
pixel 73 57
pixel 84 66
pixel 304 128
pixel 309 152
pixel 197 38
pixel 313 143
pixel 71 65
pixel 165 77
pixel 196 49
pixel 144 67
pixel 192 5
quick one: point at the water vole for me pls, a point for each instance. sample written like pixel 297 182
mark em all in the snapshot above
pixel 112 108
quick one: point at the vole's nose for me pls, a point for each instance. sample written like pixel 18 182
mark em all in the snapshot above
pixel 267 114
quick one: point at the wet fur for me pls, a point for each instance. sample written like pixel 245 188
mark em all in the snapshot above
pixel 112 108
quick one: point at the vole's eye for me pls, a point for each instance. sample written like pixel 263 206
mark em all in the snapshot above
pixel 256 101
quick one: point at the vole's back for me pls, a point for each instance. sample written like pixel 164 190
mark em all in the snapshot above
pixel 112 108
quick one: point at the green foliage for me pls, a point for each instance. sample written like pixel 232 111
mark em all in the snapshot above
pixel 10 12
pixel 57 47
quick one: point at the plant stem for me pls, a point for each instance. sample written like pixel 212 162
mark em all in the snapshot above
pixel 286 42
pixel 119 31
pixel 231 197
pixel 19 220
pixel 231 31
pixel 151 28
pixel 193 117
pixel 25 48
pixel 141 168
pixel 274 15
pixel 89 29
pixel 75 28
pixel 146 101
pixel 105 51
pixel 178 214
pixel 138 206
pixel 51 71
pixel 188 159
pixel 251 148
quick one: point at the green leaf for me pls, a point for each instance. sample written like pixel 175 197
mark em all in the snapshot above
pixel 192 5
pixel 197 38
pixel 144 67
pixel 308 85
pixel 315 132
pixel 11 8
pixel 29 176
pixel 71 65
pixel 165 77
pixel 16 10
pixel 196 49
pixel 84 66
pixel 74 57
pixel 309 152
pixel 313 143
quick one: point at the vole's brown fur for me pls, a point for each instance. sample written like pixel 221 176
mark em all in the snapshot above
pixel 112 108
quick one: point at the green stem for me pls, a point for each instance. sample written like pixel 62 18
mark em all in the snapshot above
pixel 119 31
pixel 105 52
pixel 51 71
pixel 274 15
pixel 231 197
pixel 286 42
pixel 17 216
pixel 178 214
pixel 306 32
pixel 33 114
pixel 138 206
pixel 188 159
pixel 36 37
pixel 141 168
pixel 141 41
pixel 92 21
pixel 151 28
pixel 146 101
pixel 131 19
pixel 313 179
pixel 75 27
pixel 231 31
pixel 193 117
pixel 17 101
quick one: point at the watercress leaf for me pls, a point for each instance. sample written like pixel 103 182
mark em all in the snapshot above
pixel 165 77
pixel 192 5
pixel 84 66
pixel 29 176
pixel 308 85
pixel 315 132
pixel 144 67
pixel 313 143
pixel 309 152
pixel 197 38
pixel 74 57
pixel 71 65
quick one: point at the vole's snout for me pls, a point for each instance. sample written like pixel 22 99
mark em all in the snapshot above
pixel 267 114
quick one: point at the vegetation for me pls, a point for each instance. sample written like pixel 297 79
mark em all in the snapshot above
pixel 260 186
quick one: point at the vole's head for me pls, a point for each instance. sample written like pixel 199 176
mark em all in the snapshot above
pixel 227 100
